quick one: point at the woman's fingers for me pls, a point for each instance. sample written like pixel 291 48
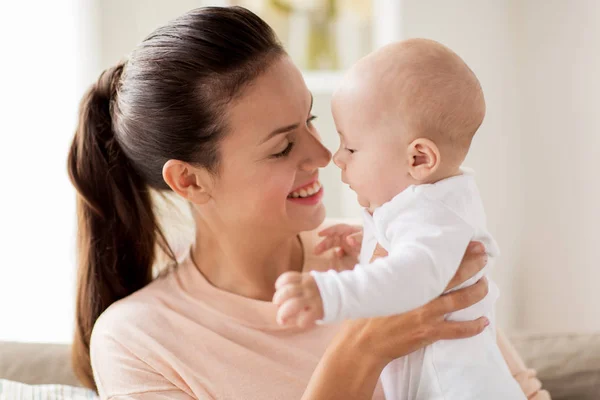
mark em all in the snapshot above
pixel 473 261
pixel 461 329
pixel 459 299
pixel 541 395
pixel 528 382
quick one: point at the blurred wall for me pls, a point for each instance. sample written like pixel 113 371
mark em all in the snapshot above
pixel 559 61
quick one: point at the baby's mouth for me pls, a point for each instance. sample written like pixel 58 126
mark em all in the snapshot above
pixel 306 191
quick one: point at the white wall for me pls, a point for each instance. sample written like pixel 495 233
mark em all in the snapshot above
pixel 46 59
pixel 125 23
pixel 559 60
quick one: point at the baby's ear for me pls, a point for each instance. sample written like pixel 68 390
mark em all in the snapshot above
pixel 423 159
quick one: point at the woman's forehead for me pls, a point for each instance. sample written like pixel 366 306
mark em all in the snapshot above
pixel 278 97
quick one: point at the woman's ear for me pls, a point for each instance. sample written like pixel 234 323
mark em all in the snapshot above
pixel 192 183
pixel 423 159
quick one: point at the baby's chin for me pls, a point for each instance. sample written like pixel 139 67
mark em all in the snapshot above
pixel 364 202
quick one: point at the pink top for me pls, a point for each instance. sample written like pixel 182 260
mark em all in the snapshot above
pixel 181 338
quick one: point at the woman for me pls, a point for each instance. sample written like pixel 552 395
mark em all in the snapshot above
pixel 210 107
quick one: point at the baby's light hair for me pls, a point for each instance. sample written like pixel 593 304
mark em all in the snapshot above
pixel 440 97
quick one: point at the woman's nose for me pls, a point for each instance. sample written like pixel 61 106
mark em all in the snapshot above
pixel 317 155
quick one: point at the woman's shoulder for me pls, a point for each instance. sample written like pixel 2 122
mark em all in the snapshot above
pixel 127 344
pixel 126 332
pixel 139 312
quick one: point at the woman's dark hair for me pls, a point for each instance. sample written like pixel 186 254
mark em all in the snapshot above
pixel 167 101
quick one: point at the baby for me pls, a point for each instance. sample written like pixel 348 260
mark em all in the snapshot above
pixel 406 115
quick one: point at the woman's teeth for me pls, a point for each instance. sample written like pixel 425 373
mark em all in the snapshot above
pixel 307 191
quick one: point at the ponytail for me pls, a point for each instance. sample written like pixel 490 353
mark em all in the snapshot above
pixel 117 228
pixel 168 102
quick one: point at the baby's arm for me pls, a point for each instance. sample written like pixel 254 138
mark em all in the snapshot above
pixel 426 249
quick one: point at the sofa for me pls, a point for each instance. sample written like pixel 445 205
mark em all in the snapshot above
pixel 568 364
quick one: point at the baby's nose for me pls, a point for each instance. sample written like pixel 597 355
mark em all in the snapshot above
pixel 337 160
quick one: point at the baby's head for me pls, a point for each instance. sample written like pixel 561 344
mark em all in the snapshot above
pixel 406 114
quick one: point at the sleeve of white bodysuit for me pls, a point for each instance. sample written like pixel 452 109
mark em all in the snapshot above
pixel 426 249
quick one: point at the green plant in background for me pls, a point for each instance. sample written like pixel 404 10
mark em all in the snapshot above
pixel 321 49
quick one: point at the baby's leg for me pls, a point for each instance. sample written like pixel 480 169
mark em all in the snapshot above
pixel 471 369
pixel 404 379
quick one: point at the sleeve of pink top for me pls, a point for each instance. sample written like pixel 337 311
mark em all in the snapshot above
pixel 121 375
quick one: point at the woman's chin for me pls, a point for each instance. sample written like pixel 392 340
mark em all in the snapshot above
pixel 308 219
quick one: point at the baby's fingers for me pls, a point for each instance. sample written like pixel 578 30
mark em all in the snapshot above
pixel 291 277
pixel 289 310
pixel 307 318
pixel 286 292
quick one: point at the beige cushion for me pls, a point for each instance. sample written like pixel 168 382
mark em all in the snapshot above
pixel 568 364
pixel 20 391
pixel 36 363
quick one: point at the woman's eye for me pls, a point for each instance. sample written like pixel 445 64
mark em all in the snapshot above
pixel 311 119
pixel 285 151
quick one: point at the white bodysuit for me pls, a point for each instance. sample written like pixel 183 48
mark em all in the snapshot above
pixel 425 230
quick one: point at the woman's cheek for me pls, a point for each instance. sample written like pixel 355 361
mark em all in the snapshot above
pixel 272 197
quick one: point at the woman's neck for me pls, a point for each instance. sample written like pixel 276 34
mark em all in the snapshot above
pixel 243 262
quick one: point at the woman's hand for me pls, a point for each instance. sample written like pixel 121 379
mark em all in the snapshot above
pixel 531 385
pixel 421 327
pixel 353 362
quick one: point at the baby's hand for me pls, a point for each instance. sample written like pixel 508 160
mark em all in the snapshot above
pixel 298 299
pixel 346 239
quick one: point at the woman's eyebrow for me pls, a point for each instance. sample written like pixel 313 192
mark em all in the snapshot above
pixel 279 131
pixel 287 128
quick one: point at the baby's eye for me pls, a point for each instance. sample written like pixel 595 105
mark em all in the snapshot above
pixel 351 151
